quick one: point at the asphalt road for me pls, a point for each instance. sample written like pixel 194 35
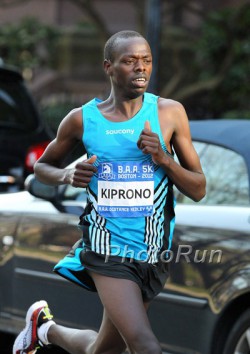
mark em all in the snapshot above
pixel 6 344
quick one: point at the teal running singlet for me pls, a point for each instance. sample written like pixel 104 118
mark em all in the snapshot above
pixel 130 209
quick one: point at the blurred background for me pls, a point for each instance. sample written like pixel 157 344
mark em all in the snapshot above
pixel 201 51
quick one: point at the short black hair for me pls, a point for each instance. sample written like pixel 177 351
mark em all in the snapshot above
pixel 111 43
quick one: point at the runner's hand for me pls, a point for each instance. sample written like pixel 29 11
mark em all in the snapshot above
pixel 81 175
pixel 149 143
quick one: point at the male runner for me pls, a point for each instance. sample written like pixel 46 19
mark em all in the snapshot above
pixel 128 223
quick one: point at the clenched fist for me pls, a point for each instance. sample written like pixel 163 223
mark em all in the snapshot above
pixel 149 143
pixel 81 175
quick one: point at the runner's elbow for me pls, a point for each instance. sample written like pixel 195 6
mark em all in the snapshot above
pixel 200 191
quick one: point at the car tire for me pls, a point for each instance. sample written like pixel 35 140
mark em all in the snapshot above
pixel 238 340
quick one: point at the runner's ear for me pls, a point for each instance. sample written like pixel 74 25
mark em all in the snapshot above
pixel 147 125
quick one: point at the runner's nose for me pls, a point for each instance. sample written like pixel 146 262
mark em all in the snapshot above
pixel 139 66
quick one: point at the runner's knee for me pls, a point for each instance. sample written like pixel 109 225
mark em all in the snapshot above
pixel 144 344
pixel 152 347
pixel 112 350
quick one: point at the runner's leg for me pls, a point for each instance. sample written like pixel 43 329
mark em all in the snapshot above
pixel 124 305
pixel 124 317
pixel 81 341
pixel 108 340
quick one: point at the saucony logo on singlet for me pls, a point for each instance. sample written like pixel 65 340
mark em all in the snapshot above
pixel 119 131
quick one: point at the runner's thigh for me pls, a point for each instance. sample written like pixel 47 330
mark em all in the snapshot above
pixel 123 302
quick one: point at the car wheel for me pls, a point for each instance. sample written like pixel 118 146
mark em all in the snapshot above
pixel 238 340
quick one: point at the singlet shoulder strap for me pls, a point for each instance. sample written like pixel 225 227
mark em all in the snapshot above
pixel 150 98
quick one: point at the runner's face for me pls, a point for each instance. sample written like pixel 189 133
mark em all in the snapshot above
pixel 131 67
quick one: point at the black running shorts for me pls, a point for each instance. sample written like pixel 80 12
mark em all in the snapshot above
pixel 151 278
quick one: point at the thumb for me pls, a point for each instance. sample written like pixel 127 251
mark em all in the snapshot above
pixel 147 125
pixel 92 159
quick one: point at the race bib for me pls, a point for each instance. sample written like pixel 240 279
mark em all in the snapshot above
pixel 125 189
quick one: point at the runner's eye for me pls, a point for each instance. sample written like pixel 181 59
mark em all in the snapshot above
pixel 129 61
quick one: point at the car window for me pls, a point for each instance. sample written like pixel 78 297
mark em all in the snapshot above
pixel 226 174
pixel 16 107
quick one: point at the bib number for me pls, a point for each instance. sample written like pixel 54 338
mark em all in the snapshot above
pixel 125 189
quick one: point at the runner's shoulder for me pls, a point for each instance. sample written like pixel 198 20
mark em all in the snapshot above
pixel 172 114
pixel 75 114
pixel 71 124
pixel 170 105
pixel 74 117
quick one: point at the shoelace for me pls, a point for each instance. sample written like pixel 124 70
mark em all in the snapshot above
pixel 48 315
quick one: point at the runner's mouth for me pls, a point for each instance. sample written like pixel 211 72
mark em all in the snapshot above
pixel 140 82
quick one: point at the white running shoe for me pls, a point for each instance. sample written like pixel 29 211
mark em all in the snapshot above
pixel 27 342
